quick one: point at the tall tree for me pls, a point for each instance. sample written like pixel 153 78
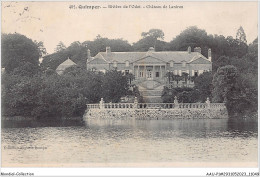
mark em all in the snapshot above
pixel 60 47
pixel 151 39
pixel 193 37
pixel 203 84
pixel 224 82
pixel 41 49
pixel 226 89
pixel 241 35
pixel 17 50
pixel 112 91
pixel 154 33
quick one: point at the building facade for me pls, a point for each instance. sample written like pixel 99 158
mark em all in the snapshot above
pixel 152 69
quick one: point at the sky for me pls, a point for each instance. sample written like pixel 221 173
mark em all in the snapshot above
pixel 52 22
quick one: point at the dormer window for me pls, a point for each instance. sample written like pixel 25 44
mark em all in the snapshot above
pixel 171 64
pixel 183 64
pixel 127 64
pixel 114 64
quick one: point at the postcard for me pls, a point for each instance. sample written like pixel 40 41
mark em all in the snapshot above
pixel 129 84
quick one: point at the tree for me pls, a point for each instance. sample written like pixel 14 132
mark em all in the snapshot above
pixel 203 84
pixel 130 77
pixel 241 36
pixel 154 33
pixel 26 69
pixel 144 44
pixel 169 75
pixel 17 50
pixel 224 82
pixel 185 76
pixel 235 47
pixel 226 89
pixel 19 94
pixel 41 49
pixel 114 86
pixel 177 78
pixel 184 95
pixel 100 44
pixel 150 39
pixel 60 47
pixel 221 61
pixel 193 37
pixel 77 52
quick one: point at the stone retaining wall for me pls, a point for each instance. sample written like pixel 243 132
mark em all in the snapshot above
pixel 155 114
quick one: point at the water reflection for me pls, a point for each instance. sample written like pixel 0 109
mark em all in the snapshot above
pixel 198 128
pixel 131 141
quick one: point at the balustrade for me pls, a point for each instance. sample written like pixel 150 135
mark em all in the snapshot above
pixel 175 105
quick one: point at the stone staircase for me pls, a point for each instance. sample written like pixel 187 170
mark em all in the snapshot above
pixel 151 91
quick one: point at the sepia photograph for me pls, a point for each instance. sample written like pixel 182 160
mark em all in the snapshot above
pixel 154 84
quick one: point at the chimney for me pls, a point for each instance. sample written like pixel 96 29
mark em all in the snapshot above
pixel 197 49
pixel 209 54
pixel 108 50
pixel 151 49
pixel 189 49
pixel 89 55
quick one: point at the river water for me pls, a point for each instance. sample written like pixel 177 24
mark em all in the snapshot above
pixel 142 143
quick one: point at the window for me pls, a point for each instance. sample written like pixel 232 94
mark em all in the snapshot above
pixel 115 64
pixel 149 73
pixel 183 64
pixel 185 75
pixel 127 64
pixel 141 74
pixel 171 64
pixel 196 73
pixel 157 74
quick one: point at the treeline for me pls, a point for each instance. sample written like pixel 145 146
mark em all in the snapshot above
pixel 32 88
pixel 49 95
pixel 192 36
pixel 33 91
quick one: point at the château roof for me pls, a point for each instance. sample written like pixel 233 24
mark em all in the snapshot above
pixel 167 56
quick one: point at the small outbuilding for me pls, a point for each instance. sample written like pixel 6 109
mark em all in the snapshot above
pixel 66 64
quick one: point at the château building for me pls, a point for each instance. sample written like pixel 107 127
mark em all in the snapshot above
pixel 153 69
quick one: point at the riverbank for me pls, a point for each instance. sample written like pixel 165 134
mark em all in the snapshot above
pixel 20 121
pixel 17 118
pixel 27 118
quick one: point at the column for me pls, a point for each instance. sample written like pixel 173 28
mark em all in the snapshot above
pixel 160 71
pixel 164 71
pixel 137 71
pixel 133 70
pixel 145 72
pixel 153 75
pixel 192 72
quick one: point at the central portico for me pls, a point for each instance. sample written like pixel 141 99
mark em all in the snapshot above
pixel 149 72
pixel 149 67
